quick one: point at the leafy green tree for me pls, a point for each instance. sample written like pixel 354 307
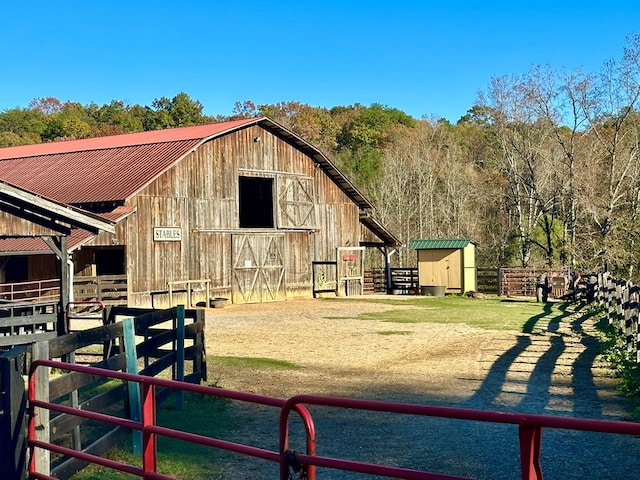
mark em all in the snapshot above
pixel 115 118
pixel 25 126
pixel 179 111
pixel 313 124
pixel 70 123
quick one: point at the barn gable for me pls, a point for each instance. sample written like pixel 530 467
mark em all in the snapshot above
pixel 245 205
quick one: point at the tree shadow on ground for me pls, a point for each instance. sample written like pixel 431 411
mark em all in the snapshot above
pixel 549 369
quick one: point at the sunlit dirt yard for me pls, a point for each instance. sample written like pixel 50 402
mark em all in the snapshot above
pixel 322 346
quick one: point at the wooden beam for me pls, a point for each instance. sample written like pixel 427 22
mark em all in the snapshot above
pixel 37 206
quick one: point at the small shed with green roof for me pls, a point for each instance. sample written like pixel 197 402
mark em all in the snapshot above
pixel 446 262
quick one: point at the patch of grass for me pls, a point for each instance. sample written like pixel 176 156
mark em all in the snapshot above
pixel 208 416
pixel 256 362
pixel 623 362
pixel 395 332
pixel 492 313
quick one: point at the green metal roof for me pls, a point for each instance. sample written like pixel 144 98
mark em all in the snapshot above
pixel 439 243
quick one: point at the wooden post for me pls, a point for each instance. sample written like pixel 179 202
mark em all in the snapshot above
pixel 59 246
pixel 180 354
pixel 42 460
pixel 13 404
pixel 129 333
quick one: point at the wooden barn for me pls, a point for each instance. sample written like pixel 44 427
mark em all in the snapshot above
pixel 446 265
pixel 238 209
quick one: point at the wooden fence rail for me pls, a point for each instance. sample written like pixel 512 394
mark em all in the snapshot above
pixel 161 347
pixel 109 289
pixel 621 300
pixel 27 322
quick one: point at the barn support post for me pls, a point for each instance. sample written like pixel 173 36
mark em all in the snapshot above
pixel 59 247
pixel 387 268
pixel 13 404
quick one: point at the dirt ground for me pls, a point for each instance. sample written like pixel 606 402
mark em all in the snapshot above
pixel 556 370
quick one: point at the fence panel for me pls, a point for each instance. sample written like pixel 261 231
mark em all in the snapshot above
pixel 621 299
pixel 13 402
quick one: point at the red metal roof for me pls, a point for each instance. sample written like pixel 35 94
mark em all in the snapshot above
pixel 103 169
pixel 77 238
pixel 197 132
pixel 114 168
pixel 32 245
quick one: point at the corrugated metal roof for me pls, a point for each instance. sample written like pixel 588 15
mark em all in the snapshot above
pixel 114 168
pixel 387 237
pixel 103 169
pixel 77 238
pixel 196 132
pixel 93 176
pixel 35 245
pixel 439 243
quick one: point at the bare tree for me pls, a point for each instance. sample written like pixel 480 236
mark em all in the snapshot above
pixel 610 103
pixel 524 160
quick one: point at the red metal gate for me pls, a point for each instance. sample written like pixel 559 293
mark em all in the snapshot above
pixel 529 429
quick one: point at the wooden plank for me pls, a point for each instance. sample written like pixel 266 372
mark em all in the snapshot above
pixel 135 404
pixel 161 363
pixel 100 447
pixel 12 340
pixel 155 339
pixel 28 320
pixel 65 423
pixel 68 343
pixel 64 384
pixel 42 460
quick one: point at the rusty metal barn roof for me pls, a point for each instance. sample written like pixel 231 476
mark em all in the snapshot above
pixel 76 239
pixel 112 169
pixel 103 169
pixel 439 243
pixel 36 245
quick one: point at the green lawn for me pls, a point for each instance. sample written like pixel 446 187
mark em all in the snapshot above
pixel 212 417
pixel 494 313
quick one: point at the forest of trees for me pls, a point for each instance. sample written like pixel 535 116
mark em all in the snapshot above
pixel 544 169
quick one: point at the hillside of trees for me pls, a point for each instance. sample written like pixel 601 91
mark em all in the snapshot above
pixel 543 170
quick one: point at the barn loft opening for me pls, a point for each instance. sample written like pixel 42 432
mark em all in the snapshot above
pixel 256 202
pixel 110 261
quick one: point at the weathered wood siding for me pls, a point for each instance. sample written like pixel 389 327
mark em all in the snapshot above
pixel 11 225
pixel 199 195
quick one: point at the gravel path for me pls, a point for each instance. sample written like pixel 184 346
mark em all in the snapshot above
pixel 555 370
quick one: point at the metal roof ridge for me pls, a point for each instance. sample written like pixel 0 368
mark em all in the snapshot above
pixel 201 132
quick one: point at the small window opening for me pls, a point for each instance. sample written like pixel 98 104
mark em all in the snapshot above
pixel 110 262
pixel 256 202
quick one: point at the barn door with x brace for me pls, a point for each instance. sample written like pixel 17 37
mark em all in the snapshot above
pixel 258 268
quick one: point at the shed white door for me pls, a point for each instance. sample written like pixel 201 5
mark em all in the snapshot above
pixel 258 268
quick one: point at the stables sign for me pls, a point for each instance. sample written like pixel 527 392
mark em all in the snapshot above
pixel 167 234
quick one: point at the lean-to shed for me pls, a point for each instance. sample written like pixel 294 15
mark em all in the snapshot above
pixel 448 263
pixel 241 208
pixel 25 217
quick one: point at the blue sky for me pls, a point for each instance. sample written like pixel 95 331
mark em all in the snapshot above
pixel 425 58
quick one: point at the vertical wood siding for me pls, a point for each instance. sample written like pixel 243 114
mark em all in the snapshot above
pixel 200 195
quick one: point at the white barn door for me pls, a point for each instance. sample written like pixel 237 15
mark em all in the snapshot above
pixel 258 268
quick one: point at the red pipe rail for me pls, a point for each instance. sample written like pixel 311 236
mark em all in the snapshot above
pixel 529 429
pixel 147 425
